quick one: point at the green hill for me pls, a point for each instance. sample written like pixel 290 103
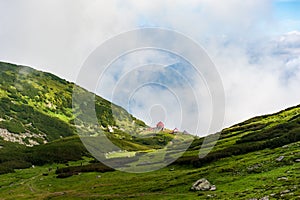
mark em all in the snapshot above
pixel 258 133
pixel 36 110
pixel 40 104
pixel 45 159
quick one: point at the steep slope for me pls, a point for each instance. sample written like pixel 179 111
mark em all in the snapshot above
pixel 36 107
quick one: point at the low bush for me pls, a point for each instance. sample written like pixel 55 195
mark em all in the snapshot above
pixel 69 171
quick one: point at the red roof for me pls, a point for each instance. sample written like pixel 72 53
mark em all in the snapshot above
pixel 160 125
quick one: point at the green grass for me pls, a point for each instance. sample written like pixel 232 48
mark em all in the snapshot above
pixel 44 101
pixel 230 175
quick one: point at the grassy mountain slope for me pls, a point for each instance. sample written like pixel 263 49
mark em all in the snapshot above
pixel 40 104
pixel 244 163
pixel 36 109
pixel 258 133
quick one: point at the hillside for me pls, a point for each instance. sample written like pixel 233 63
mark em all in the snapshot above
pixel 258 133
pixel 39 105
pixel 37 109
pixel 45 159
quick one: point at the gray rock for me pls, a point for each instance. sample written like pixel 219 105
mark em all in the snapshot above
pixel 282 178
pixel 284 191
pixel 297 160
pixel 213 188
pixel 203 185
pixel 295 187
pixel 280 158
pixel 254 167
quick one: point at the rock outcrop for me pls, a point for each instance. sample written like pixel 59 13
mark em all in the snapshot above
pixel 203 185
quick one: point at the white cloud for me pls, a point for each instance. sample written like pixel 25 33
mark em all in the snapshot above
pixel 147 78
pixel 265 85
pixel 260 73
pixel 57 35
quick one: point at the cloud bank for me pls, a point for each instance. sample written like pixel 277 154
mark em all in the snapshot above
pixel 256 54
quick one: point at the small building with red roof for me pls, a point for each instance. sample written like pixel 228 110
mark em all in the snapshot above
pixel 160 126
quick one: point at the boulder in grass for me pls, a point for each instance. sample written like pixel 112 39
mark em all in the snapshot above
pixel 203 185
pixel 280 158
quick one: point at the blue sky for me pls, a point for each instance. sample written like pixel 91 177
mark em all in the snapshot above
pixel 287 13
pixel 287 9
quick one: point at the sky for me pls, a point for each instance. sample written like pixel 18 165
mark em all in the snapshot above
pixel 254 44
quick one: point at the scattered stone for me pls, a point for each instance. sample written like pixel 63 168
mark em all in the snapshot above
pixel 285 146
pixel 213 188
pixel 110 129
pixel 273 195
pixel 211 196
pixel 280 158
pixel 254 167
pixel 282 178
pixel 285 191
pixel 20 138
pixel 172 169
pixel 297 160
pixel 203 185
pixel 295 187
pixel 98 176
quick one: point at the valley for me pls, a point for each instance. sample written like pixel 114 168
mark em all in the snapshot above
pixel 43 151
